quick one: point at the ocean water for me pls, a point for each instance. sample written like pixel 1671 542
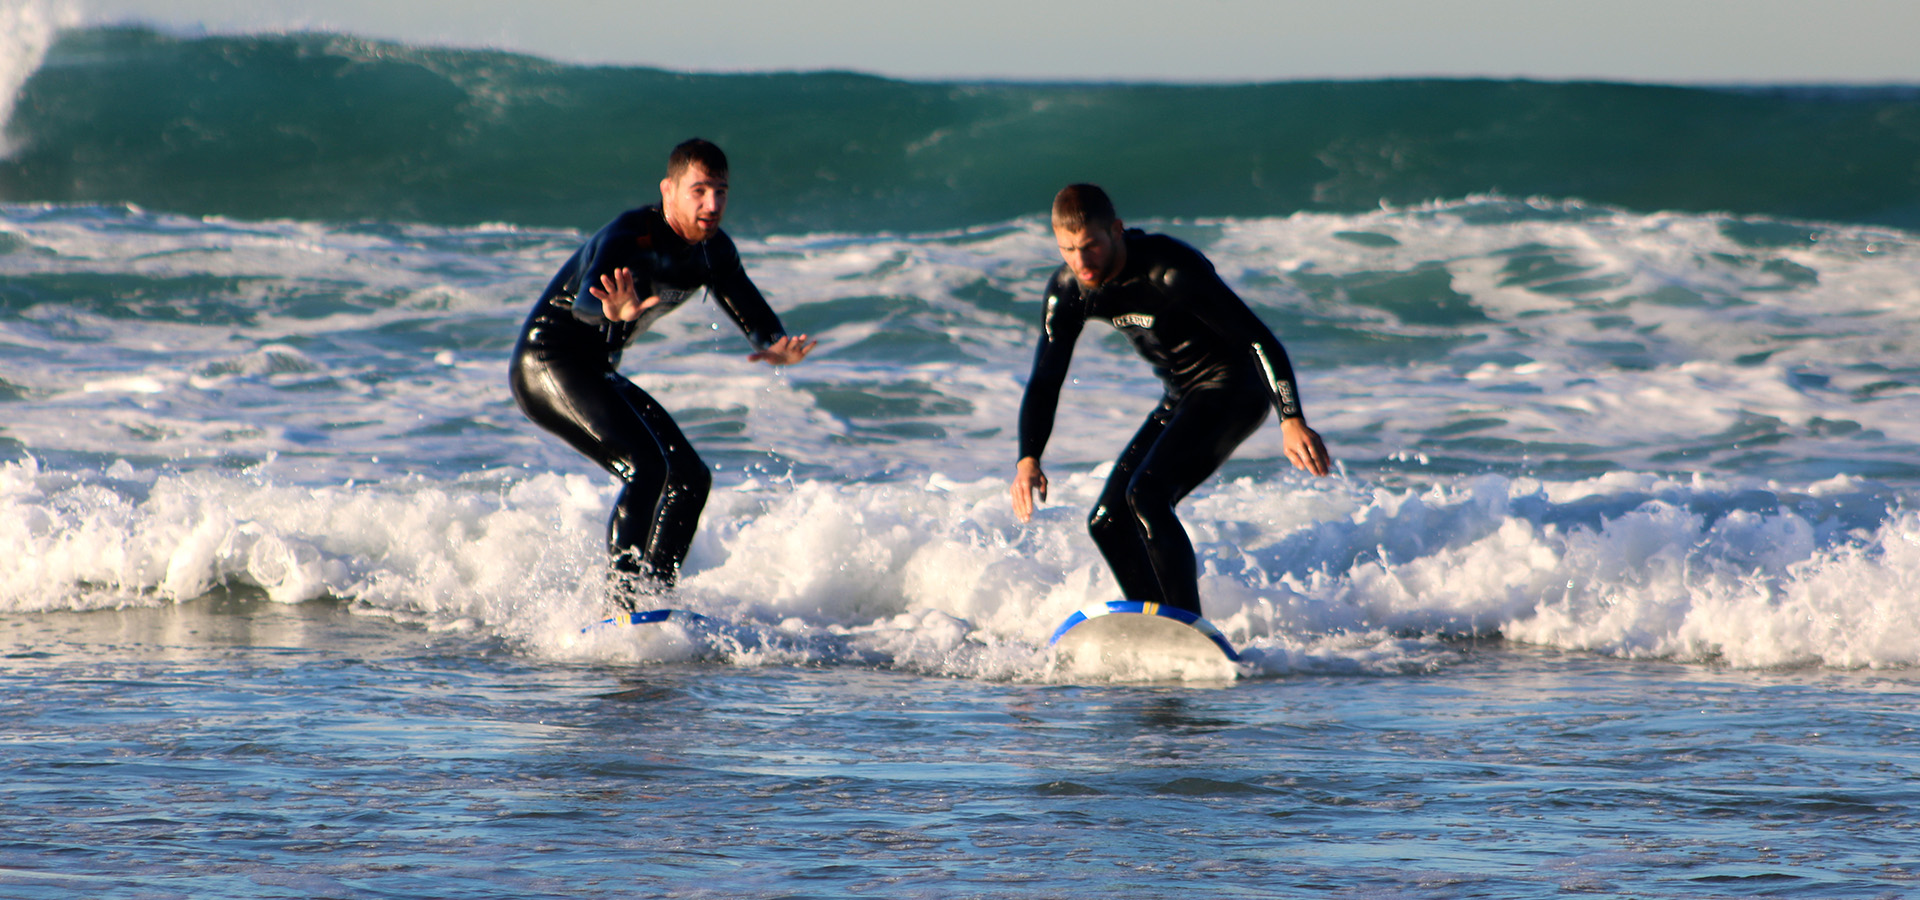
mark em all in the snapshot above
pixel 1616 589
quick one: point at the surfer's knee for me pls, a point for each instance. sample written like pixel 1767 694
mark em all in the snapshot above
pixel 1115 527
pixel 691 484
pixel 1100 520
pixel 688 474
pixel 634 470
pixel 1146 496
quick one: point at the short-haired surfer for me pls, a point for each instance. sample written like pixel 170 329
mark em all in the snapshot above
pixel 565 369
pixel 1221 367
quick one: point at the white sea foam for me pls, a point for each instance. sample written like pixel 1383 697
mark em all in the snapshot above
pixel 27 28
pixel 1329 576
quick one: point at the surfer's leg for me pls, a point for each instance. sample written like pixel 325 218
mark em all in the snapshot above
pixel 659 510
pixel 616 424
pixel 1199 435
pixel 1115 529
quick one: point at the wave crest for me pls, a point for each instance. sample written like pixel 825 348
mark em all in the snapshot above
pixel 1327 576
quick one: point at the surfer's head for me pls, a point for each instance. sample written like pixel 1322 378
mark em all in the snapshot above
pixel 693 196
pixel 1089 233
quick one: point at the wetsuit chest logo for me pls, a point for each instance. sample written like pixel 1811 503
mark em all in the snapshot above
pixel 1133 320
pixel 673 296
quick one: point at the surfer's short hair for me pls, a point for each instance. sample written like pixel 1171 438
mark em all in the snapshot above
pixel 1079 207
pixel 696 151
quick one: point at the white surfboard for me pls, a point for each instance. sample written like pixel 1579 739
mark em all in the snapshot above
pixel 1129 639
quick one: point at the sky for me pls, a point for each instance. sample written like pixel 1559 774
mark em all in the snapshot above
pixel 1670 41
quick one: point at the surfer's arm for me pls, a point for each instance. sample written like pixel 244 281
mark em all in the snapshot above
pixel 1197 287
pixel 748 308
pixel 1060 328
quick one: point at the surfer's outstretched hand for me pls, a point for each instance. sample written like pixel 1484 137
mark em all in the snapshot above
pixel 619 299
pixel 785 351
pixel 1304 447
pixel 1027 478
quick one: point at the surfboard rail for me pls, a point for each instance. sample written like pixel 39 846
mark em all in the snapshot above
pixel 1184 617
pixel 649 617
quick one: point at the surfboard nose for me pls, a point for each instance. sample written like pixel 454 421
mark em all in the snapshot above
pixel 1150 624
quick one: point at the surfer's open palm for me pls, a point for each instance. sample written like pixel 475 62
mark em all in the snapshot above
pixel 619 299
pixel 785 351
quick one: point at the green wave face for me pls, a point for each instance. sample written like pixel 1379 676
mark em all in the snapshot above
pixel 317 126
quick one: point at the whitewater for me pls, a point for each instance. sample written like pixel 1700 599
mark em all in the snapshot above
pixel 1583 428
pixel 1615 588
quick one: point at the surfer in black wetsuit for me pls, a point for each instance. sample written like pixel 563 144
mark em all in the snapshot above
pixel 564 373
pixel 1221 365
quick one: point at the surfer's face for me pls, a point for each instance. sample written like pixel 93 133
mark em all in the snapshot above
pixel 1094 254
pixel 694 202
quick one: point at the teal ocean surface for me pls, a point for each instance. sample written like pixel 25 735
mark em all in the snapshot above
pixel 1615 590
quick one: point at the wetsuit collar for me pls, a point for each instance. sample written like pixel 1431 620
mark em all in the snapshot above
pixel 663 230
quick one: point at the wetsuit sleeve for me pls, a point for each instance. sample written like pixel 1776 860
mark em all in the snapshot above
pixel 1193 283
pixel 736 294
pixel 614 247
pixel 1060 327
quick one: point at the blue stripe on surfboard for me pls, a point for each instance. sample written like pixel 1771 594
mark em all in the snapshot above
pixel 1148 609
pixel 649 617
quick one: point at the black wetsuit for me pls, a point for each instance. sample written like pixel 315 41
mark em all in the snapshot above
pixel 1222 368
pixel 565 378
